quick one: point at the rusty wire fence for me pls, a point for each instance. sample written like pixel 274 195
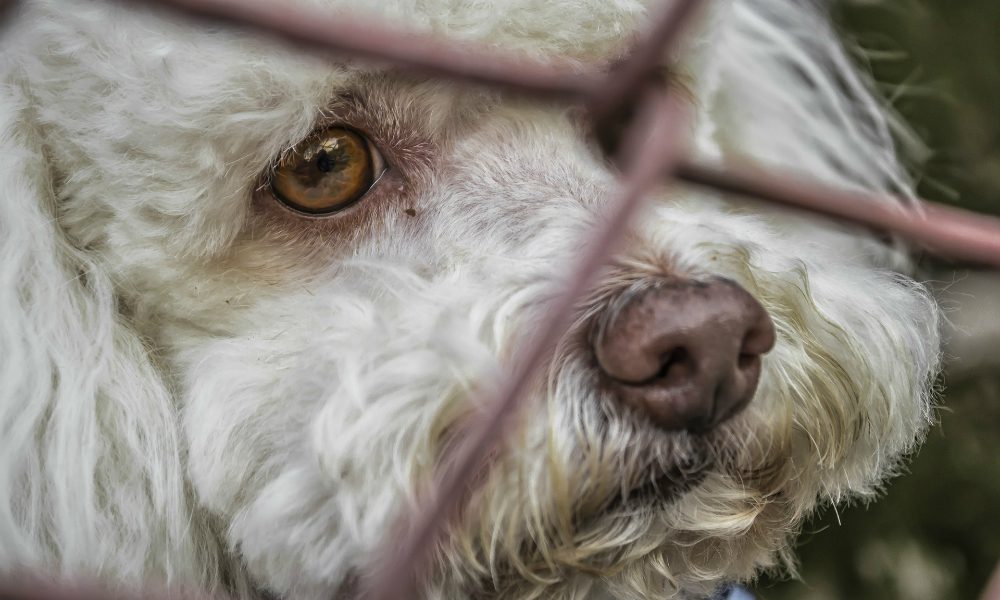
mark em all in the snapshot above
pixel 639 124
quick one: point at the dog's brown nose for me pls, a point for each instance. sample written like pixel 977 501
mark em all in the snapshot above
pixel 685 352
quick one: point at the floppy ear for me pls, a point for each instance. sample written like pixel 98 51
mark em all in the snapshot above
pixel 91 476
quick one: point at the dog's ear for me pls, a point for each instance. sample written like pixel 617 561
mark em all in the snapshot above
pixel 90 465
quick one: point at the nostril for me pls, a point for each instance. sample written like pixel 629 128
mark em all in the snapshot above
pixel 677 365
pixel 746 361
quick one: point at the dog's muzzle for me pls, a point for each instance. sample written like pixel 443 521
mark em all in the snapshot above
pixel 684 352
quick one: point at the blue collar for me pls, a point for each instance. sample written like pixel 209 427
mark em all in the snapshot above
pixel 733 592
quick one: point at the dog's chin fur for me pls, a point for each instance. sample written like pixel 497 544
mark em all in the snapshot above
pixel 202 390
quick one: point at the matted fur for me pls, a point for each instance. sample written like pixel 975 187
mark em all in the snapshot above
pixel 200 389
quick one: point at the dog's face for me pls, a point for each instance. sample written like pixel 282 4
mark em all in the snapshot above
pixel 334 262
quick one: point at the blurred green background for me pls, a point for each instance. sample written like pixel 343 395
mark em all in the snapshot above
pixel 938 64
pixel 936 533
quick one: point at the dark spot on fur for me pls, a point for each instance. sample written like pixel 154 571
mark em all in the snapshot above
pixel 410 212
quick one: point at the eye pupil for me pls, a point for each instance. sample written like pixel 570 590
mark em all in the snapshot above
pixel 323 162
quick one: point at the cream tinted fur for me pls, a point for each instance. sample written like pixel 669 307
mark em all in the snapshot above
pixel 200 389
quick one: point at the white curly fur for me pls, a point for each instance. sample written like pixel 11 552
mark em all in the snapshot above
pixel 200 389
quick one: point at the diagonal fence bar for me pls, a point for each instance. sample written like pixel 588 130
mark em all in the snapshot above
pixel 618 88
pixel 320 31
pixel 652 147
pixel 992 591
pixel 6 8
pixel 655 135
pixel 944 230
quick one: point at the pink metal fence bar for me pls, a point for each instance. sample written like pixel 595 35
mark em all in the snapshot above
pixel 993 587
pixel 972 236
pixel 944 230
pixel 622 85
pixel 652 148
pixel 320 31
pixel 661 119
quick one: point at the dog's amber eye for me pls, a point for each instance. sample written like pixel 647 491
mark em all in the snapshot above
pixel 326 172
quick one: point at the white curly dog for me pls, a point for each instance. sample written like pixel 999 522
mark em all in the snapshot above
pixel 249 297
